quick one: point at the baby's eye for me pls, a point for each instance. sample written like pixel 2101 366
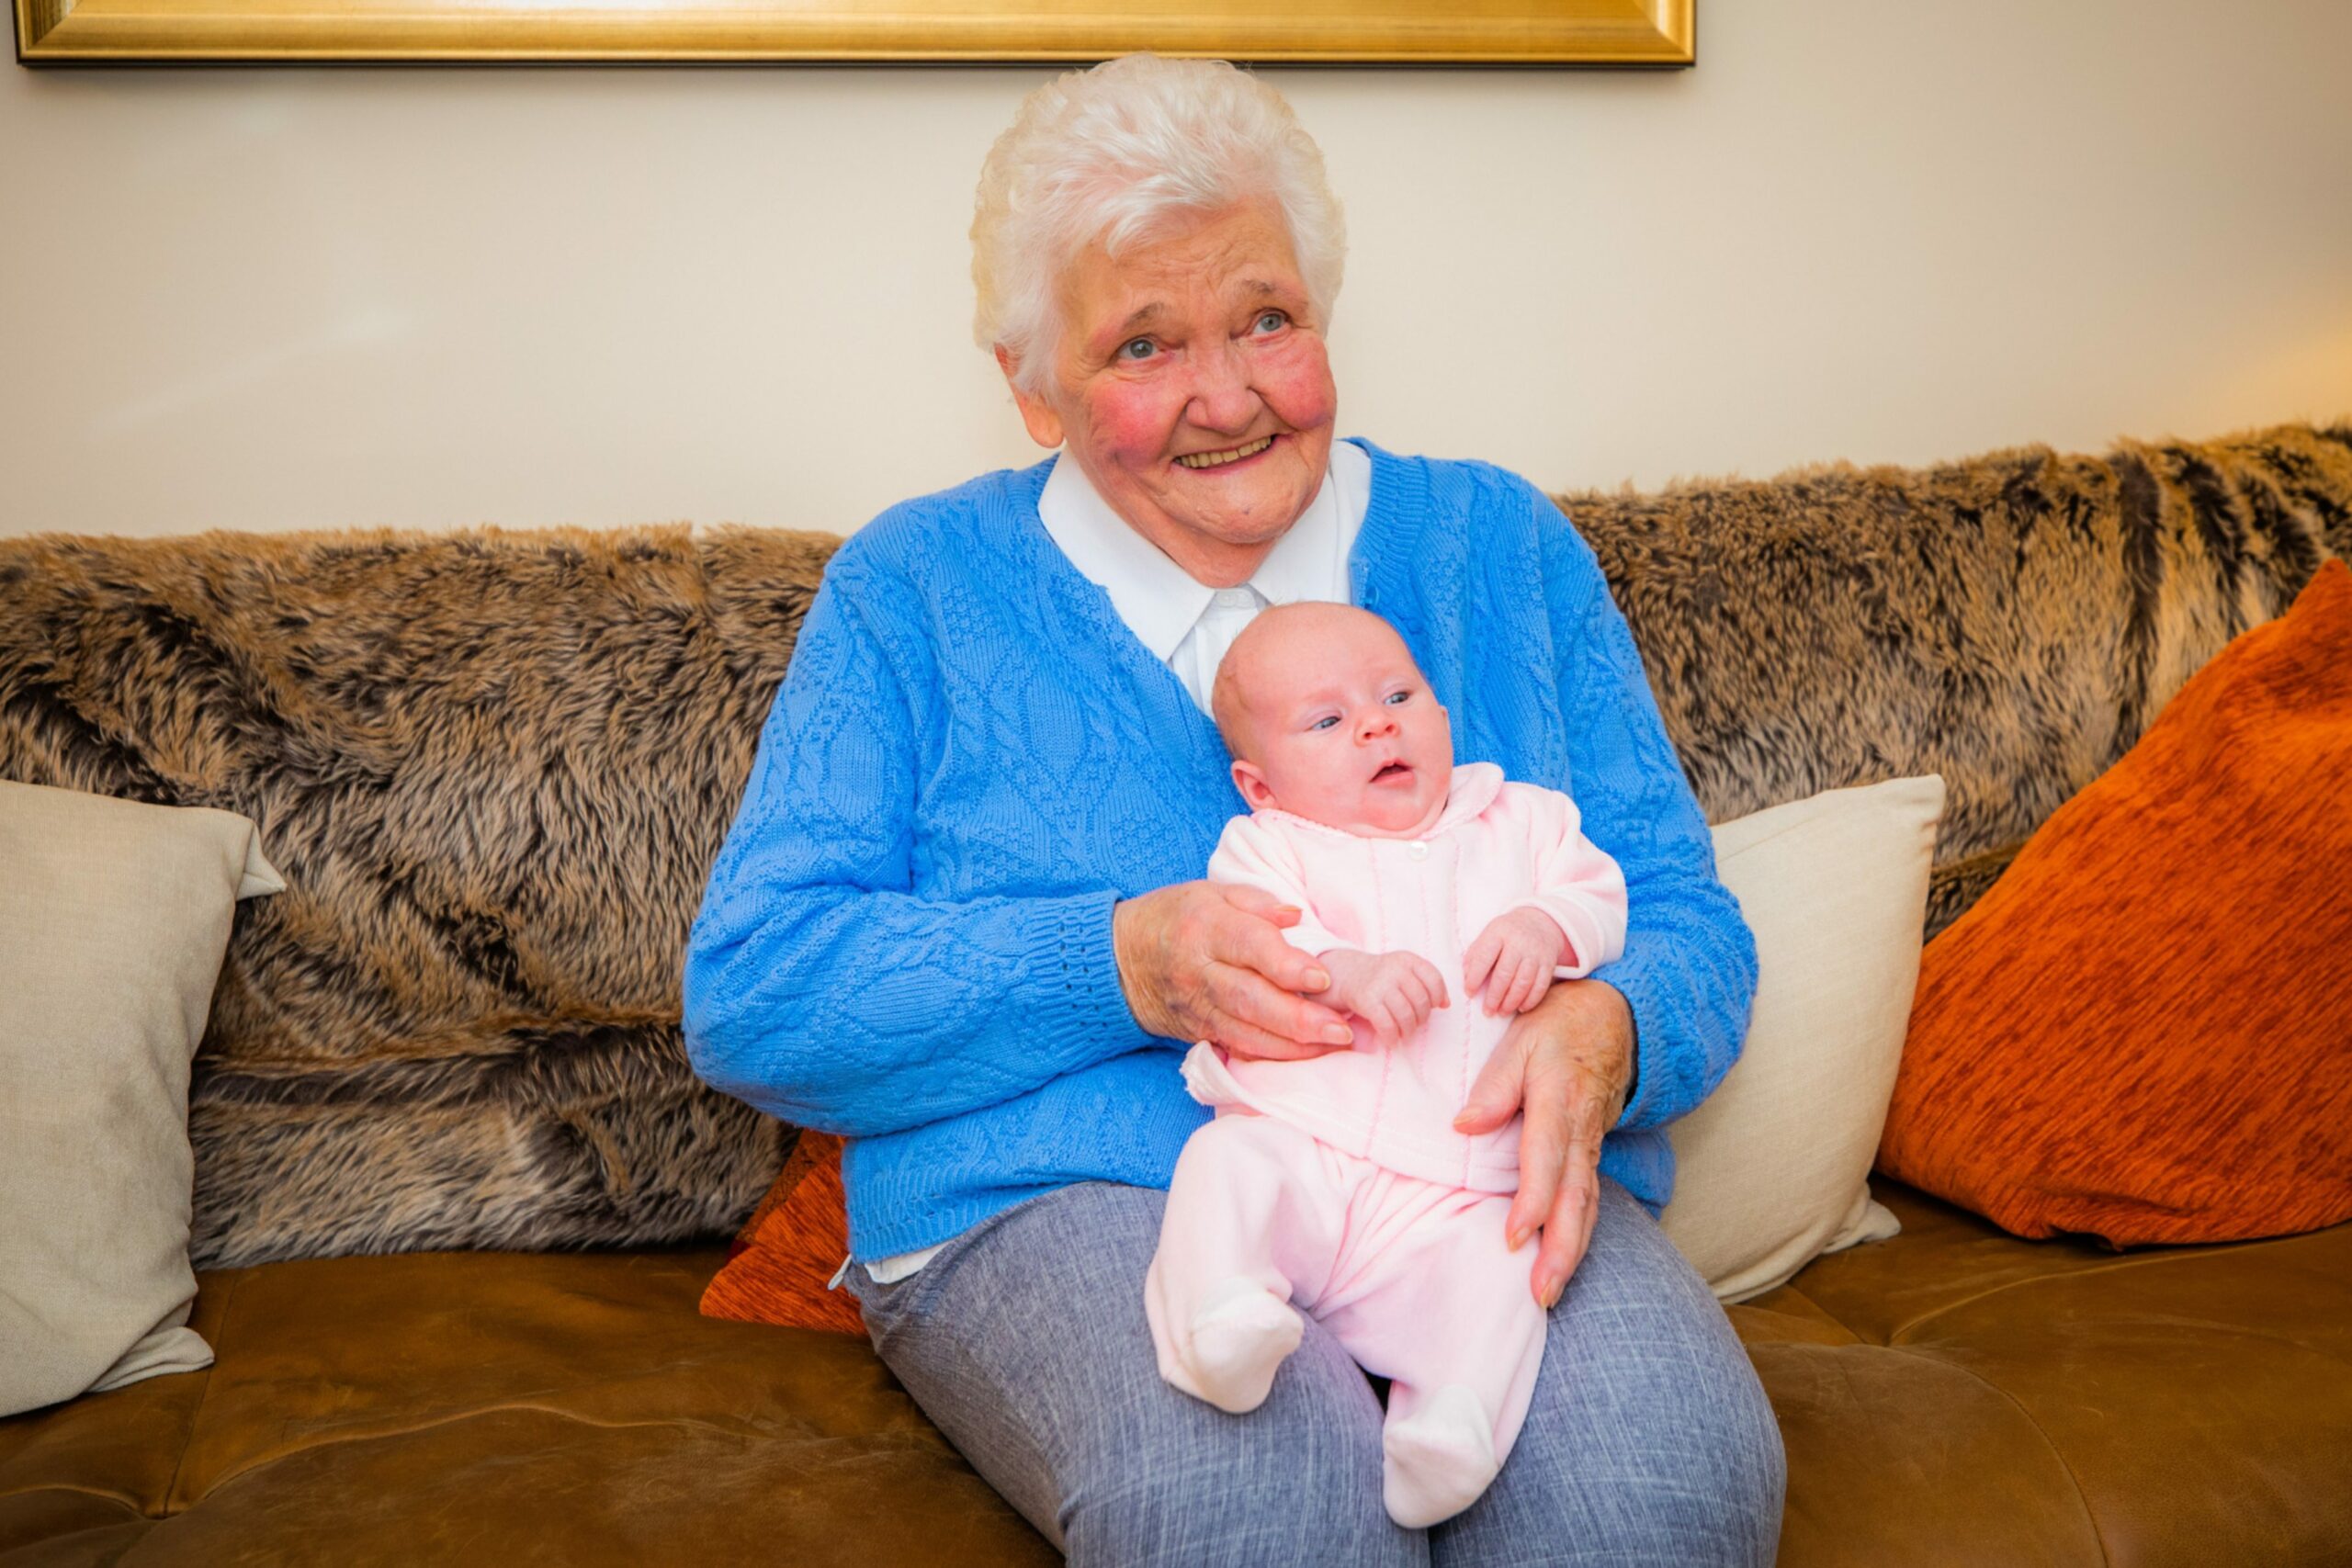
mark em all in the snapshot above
pixel 1272 321
pixel 1326 722
pixel 1137 348
pixel 1395 697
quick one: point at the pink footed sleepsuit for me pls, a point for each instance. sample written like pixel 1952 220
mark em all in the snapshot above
pixel 1338 1183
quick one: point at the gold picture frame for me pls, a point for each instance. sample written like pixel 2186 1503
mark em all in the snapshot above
pixel 1513 32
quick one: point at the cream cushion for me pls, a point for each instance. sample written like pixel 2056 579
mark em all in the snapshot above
pixel 1771 1170
pixel 114 917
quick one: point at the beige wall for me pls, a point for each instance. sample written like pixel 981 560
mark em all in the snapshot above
pixel 276 298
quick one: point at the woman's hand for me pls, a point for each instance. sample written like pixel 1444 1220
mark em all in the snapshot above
pixel 1206 961
pixel 1568 1064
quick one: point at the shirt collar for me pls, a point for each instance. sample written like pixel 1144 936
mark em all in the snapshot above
pixel 1157 599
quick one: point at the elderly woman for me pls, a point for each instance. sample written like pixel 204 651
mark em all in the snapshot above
pixel 960 920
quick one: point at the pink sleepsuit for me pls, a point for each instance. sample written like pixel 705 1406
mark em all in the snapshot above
pixel 1338 1183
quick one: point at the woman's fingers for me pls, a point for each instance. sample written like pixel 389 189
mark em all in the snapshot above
pixel 1244 995
pixel 1559 1158
pixel 1252 976
pixel 1259 902
pixel 1250 942
pixel 1567 1234
pixel 1202 961
pixel 1573 1198
pixel 1494 1094
pixel 1249 1040
pixel 1542 1145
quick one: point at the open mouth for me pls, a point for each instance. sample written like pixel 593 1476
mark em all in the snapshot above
pixel 1392 772
pixel 1219 459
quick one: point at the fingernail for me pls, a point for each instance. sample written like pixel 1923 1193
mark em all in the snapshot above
pixel 1338 1034
pixel 1464 1118
pixel 1318 979
pixel 1553 1286
pixel 1518 1238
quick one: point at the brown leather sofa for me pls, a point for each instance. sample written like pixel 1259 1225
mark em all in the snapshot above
pixel 1951 1396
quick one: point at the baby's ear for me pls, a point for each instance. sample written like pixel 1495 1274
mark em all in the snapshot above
pixel 1255 791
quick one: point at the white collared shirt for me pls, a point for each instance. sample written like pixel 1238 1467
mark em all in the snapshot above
pixel 1187 626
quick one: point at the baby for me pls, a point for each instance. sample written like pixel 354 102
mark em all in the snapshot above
pixel 1339 1182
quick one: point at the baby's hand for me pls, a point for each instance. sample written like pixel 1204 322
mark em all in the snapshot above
pixel 1392 992
pixel 1512 960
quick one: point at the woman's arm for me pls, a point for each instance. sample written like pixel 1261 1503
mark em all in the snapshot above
pixel 1648 1036
pixel 818 987
pixel 1689 966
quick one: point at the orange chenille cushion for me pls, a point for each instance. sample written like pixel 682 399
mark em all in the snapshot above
pixel 778 1266
pixel 2143 1031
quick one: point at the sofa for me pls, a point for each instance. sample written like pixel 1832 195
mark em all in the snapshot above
pixel 458 1192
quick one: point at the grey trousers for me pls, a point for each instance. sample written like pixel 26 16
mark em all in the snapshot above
pixel 1649 1440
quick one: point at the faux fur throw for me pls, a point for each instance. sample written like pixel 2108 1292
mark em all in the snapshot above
pixel 494 768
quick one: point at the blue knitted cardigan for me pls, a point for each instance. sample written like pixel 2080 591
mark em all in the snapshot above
pixel 906 939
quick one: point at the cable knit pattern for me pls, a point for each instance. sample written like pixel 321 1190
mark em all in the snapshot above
pixel 907 936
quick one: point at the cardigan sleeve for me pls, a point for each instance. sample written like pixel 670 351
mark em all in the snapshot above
pixel 1689 966
pixel 819 987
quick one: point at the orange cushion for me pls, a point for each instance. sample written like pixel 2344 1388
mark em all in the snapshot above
pixel 778 1266
pixel 2144 1030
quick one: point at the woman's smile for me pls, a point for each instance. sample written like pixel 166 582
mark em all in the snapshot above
pixel 1241 453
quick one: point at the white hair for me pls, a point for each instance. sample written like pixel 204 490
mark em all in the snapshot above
pixel 1115 154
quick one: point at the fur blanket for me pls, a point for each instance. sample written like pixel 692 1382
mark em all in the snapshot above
pixel 494 768
pixel 2013 621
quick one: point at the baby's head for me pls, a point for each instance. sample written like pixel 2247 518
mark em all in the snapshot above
pixel 1328 717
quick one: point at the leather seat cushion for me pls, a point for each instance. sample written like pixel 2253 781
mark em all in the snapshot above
pixel 1959 1397
pixel 1954 1395
pixel 497 1407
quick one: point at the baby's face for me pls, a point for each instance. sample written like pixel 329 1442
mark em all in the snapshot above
pixel 1343 730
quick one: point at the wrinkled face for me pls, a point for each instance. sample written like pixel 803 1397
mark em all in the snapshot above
pixel 1191 386
pixel 1339 727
